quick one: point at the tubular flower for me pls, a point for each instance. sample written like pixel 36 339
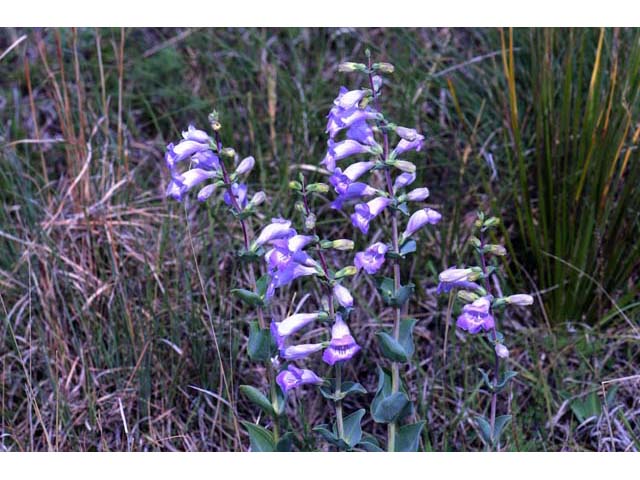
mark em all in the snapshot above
pixel 342 346
pixel 297 352
pixel 340 150
pixel 372 258
pixel 239 191
pixel 278 228
pixel 281 330
pixel 343 296
pixel 365 212
pixel 476 316
pixel 455 278
pixel 295 377
pixel 419 219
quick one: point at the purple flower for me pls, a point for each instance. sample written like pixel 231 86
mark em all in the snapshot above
pixel 245 166
pixel 419 219
pixel 185 149
pixel 278 228
pixel 196 135
pixel 361 132
pixel 340 150
pixel 281 330
pixel 206 160
pixel 476 316
pixel 403 180
pixel 281 256
pixel 372 258
pixel 407 145
pixel 287 275
pixel 294 377
pixel 418 194
pixel 455 278
pixel 342 346
pixel 343 296
pixel 409 134
pixel 297 352
pixel 298 242
pixel 365 212
pixel 180 184
pixel 349 98
pixel 206 192
pixel 239 192
pixel 341 118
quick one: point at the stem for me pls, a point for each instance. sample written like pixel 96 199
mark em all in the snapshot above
pixel 253 284
pixel 325 269
pixel 496 366
pixel 339 421
pixel 395 367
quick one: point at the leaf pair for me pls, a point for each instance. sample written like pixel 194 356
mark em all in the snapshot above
pixel 400 350
pixel 390 296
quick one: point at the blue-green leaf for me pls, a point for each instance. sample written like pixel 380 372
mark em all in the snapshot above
pixel 501 422
pixel 408 437
pixel 261 438
pixel 248 297
pixel 352 428
pixel 257 397
pixel 285 443
pixel 485 429
pixel 347 388
pixel 259 347
pixel 391 348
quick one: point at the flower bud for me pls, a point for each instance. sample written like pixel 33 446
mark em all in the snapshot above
pixel 418 194
pixel 451 275
pixel 475 241
pixel 405 166
pixel 318 187
pixel 299 206
pixel 342 244
pixel 228 152
pixel 409 134
pixel 502 351
pixel 257 199
pixel 346 272
pixel 383 67
pixel 214 121
pixel 498 250
pixel 492 222
pixel 310 222
pixel 377 82
pixel 245 166
pixel 348 67
pixel 295 185
pixel 468 297
pixel 521 299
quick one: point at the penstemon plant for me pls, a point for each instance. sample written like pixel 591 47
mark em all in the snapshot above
pixel 479 315
pixel 207 166
pixel 337 301
pixel 358 115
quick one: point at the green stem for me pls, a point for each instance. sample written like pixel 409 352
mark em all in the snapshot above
pixel 339 420
pixel 254 286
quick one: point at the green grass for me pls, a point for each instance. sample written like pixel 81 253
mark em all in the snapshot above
pixel 108 338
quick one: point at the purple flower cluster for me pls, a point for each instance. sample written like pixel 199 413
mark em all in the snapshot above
pixel 340 348
pixel 286 259
pixel 351 112
pixel 204 164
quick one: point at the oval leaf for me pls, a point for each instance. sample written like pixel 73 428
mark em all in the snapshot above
pixel 261 438
pixel 257 397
